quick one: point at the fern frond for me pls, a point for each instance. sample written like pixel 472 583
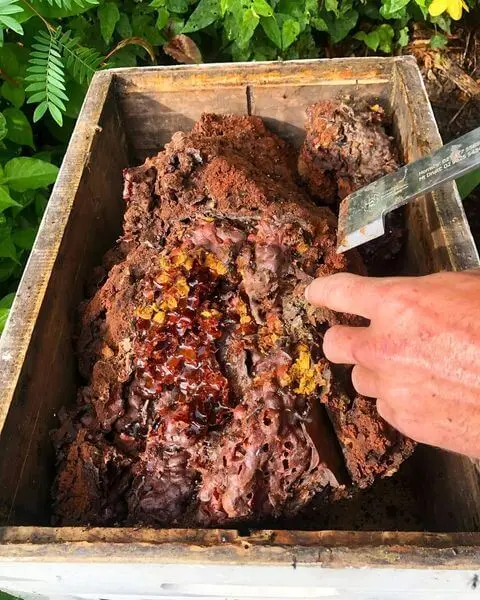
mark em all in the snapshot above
pixel 67 5
pixel 46 77
pixel 7 21
pixel 81 61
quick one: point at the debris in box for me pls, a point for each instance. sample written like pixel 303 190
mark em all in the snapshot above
pixel 203 362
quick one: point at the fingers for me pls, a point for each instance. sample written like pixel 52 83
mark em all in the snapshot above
pixel 342 344
pixel 387 412
pixel 345 292
pixel 365 381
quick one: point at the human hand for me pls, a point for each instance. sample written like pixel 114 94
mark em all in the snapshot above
pixel 420 355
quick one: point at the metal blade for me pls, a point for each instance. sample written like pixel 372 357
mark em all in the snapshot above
pixel 362 213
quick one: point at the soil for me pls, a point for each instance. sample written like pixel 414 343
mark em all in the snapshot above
pixel 202 360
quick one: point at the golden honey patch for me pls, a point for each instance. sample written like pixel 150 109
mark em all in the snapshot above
pixel 214 264
pixel 304 373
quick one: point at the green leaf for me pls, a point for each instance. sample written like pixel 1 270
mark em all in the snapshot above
pixel 19 129
pixel 320 24
pixel 177 6
pixel 7 248
pixel 262 8
pixel 393 9
pixel 108 16
pixel 5 305
pixel 385 35
pixel 272 30
pixel 467 183
pixel 162 18
pixel 24 238
pixel 40 110
pixel 444 22
pixel 380 38
pixel 15 95
pixel 293 9
pixel 7 269
pixel 341 27
pixel 290 32
pixel 124 27
pixel 371 11
pixel 264 51
pixel 403 37
pixel 7 301
pixel 46 78
pixel 53 9
pixel 371 40
pixel 76 95
pixel 40 204
pixel 240 54
pixel 82 62
pixel 249 24
pixel 206 13
pixel 421 5
pixel 438 41
pixel 4 312
pixel 332 6
pixel 6 201
pixel 56 114
pixel 3 126
pixel 11 23
pixel 9 62
pixel 25 173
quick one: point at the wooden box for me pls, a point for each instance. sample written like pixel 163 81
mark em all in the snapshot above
pixel 129 114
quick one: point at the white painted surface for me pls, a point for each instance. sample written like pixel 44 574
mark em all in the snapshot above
pixel 117 581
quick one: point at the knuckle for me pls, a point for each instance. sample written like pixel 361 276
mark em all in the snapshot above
pixel 364 350
pixel 401 299
pixel 337 284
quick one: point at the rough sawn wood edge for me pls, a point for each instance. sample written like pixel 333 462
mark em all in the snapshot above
pixel 328 549
pixel 16 337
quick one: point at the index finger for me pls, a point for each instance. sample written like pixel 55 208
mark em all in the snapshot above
pixel 347 293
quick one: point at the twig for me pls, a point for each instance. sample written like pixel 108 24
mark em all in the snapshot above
pixel 465 51
pixel 474 54
pixel 50 27
pixel 137 41
pixel 10 80
pixel 459 112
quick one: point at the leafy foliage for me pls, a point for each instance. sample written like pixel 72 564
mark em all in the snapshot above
pixel 81 61
pixel 8 8
pixel 50 49
pixel 46 77
pixel 467 183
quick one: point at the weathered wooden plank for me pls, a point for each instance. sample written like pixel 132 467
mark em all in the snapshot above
pixel 332 549
pixel 151 116
pixel 444 240
pixel 282 107
pixel 214 76
pixel 82 221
